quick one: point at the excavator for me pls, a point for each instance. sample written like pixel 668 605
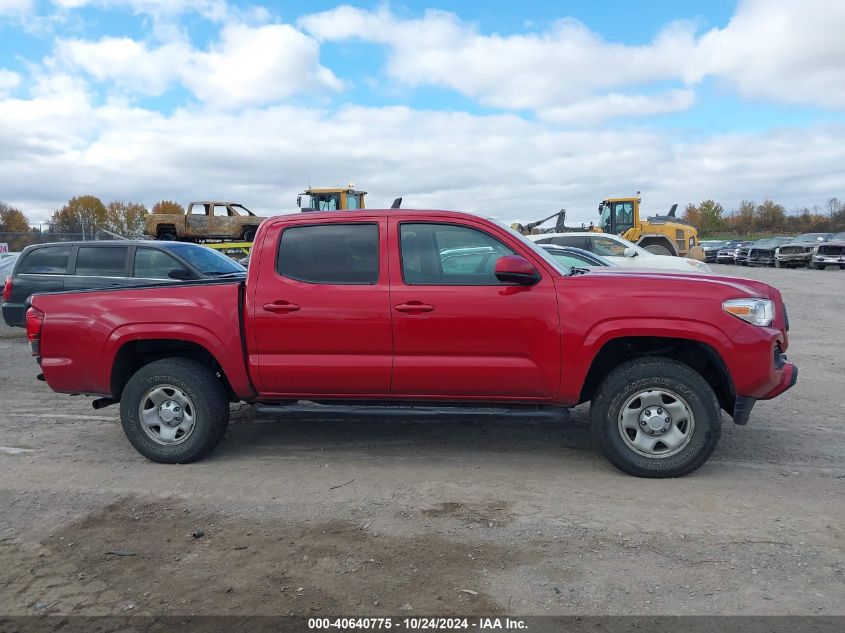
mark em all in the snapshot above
pixel 658 234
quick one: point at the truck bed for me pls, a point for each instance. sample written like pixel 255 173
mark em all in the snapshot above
pixel 86 330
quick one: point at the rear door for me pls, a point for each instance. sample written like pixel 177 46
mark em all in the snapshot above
pixel 98 266
pixel 460 332
pixel 320 313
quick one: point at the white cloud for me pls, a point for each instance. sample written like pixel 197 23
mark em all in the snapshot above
pixel 248 65
pixel 212 9
pixel 59 143
pixel 18 7
pixel 8 81
pixel 598 109
pixel 563 66
pixel 780 50
pixel 788 51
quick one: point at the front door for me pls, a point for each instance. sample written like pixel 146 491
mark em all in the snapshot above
pixel 460 332
pixel 320 313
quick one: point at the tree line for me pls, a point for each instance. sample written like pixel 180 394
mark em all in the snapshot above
pixel 83 217
pixel 767 217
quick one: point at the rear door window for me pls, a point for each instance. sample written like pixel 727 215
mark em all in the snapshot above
pixel 152 263
pixel 330 254
pixel 51 260
pixel 101 261
pixel 577 241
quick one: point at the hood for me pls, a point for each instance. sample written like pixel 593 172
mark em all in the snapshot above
pixel 736 286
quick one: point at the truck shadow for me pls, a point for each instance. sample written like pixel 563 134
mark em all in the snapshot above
pixel 403 436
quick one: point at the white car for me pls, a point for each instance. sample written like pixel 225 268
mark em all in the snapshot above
pixel 620 251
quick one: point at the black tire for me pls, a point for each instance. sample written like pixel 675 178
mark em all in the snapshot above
pixel 841 267
pixel 208 399
pixel 249 235
pixel 815 266
pixel 666 375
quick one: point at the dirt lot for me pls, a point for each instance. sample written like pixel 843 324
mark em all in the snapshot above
pixel 432 516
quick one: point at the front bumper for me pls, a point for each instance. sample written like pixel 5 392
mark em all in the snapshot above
pixel 794 258
pixel 829 260
pixel 744 404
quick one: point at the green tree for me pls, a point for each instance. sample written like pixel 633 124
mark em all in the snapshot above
pixel 168 206
pixel 83 214
pixel 711 217
pixel 126 218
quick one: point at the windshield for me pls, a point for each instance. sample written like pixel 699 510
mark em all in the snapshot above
pixel 604 217
pixel 810 237
pixel 206 260
pixel 547 257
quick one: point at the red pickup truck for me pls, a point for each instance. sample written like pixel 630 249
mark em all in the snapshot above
pixel 397 306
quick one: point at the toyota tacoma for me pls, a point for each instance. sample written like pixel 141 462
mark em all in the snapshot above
pixel 366 306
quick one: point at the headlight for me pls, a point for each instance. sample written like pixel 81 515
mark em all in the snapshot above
pixel 756 311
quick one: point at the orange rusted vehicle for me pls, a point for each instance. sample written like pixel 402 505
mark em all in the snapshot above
pixel 205 220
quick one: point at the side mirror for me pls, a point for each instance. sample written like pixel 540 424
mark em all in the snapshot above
pixel 299 201
pixel 630 252
pixel 515 269
pixel 180 273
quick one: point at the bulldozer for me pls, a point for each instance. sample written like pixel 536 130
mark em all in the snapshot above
pixel 659 234
pixel 329 199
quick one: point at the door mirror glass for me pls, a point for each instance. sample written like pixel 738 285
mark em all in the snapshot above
pixel 180 273
pixel 515 269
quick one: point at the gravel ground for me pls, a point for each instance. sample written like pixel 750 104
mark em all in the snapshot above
pixel 429 517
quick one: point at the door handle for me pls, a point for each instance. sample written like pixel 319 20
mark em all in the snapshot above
pixel 281 307
pixel 414 307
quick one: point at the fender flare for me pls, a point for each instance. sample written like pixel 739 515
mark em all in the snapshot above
pixel 192 333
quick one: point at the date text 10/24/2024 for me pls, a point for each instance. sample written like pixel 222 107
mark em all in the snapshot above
pixel 417 624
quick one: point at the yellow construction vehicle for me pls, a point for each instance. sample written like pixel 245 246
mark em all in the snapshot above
pixel 328 199
pixel 659 234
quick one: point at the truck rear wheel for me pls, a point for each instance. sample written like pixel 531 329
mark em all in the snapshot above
pixel 174 410
pixel 655 417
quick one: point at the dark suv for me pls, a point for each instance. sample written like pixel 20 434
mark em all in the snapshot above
pixel 113 264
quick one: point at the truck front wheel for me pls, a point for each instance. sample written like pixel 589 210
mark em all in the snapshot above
pixel 174 410
pixel 655 417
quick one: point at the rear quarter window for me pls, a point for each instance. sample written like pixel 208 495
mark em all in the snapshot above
pixel 50 260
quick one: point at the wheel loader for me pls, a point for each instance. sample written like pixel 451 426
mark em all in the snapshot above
pixel 331 199
pixel 659 234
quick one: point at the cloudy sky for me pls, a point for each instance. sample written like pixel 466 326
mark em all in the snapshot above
pixel 512 109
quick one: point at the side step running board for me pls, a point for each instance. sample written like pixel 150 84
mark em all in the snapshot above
pixel 312 410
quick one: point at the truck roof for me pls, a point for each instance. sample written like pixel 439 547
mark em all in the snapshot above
pixel 403 213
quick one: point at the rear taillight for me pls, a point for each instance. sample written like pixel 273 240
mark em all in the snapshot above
pixel 34 321
pixel 7 289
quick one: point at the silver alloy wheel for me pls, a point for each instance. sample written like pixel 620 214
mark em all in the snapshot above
pixel 167 415
pixel 656 423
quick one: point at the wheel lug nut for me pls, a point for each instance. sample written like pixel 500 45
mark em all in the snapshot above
pixel 647 412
